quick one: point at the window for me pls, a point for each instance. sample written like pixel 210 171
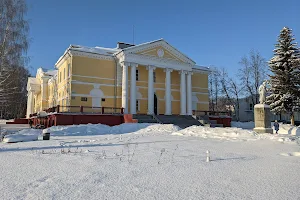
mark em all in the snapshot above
pixel 73 98
pixel 137 75
pixel 137 105
pixel 64 73
pixel 102 99
pixel 69 69
pixel 154 77
pixel 59 77
pixel 83 98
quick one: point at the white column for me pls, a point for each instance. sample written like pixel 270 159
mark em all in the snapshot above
pixel 182 92
pixel 150 90
pixel 44 89
pixel 133 88
pixel 29 103
pixel 189 93
pixel 125 87
pixel 168 99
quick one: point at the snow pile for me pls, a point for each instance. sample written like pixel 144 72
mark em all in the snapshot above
pixel 284 129
pixel 3 121
pixel 79 130
pixel 24 135
pixel 100 129
pixel 234 134
pixel 19 138
pixel 288 129
pixel 218 133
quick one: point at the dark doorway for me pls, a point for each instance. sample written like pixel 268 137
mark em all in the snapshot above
pixel 155 104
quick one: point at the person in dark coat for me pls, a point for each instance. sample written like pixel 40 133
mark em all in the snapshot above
pixel 276 126
pixel 30 123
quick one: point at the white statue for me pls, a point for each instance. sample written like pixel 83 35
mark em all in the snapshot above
pixel 262 92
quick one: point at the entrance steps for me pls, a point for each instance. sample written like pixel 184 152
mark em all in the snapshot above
pixel 183 121
pixel 143 118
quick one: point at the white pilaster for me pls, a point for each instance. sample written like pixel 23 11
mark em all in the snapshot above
pixel 182 92
pixel 125 87
pixel 133 88
pixel 168 99
pixel 44 88
pixel 189 93
pixel 150 90
pixel 29 103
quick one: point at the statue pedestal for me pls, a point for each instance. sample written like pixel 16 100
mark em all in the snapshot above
pixel 262 118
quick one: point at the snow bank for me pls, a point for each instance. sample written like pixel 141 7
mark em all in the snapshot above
pixel 288 129
pixel 3 121
pixel 24 135
pixel 19 138
pixel 100 129
pixel 219 133
pixel 284 129
pixel 234 134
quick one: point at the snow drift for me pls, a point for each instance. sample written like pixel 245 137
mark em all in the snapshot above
pixel 100 129
pixel 19 138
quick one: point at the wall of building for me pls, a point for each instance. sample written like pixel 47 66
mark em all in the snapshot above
pixel 89 74
pixel 79 77
pixel 63 83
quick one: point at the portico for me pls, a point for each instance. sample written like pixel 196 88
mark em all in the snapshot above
pixel 131 58
pixel 185 89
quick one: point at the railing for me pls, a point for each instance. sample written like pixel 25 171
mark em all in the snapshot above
pixel 215 113
pixel 156 118
pixel 83 109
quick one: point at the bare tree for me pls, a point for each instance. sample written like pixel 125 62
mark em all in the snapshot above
pixel 231 90
pixel 13 47
pixel 214 89
pixel 253 73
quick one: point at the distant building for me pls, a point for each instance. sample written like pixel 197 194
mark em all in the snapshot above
pixel 246 112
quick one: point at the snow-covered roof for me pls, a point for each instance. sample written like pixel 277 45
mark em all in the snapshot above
pixel 202 68
pixel 51 72
pixel 142 44
pixel 33 80
pixel 97 50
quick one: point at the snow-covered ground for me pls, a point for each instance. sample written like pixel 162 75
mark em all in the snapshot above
pixel 145 161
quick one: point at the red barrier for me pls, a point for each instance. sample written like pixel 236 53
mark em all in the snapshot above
pixel 128 119
pixel 226 121
pixel 70 119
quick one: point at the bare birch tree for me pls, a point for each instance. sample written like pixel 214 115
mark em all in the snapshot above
pixel 231 90
pixel 253 73
pixel 214 89
pixel 13 47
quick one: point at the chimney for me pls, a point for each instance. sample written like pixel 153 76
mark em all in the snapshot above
pixel 122 45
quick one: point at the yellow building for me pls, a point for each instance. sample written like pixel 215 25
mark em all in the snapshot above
pixel 149 78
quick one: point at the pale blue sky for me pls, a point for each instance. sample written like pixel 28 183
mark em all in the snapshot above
pixel 211 32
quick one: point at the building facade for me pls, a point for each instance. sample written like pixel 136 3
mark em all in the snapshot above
pixel 150 78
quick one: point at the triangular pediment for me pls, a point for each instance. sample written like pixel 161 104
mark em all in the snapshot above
pixel 160 49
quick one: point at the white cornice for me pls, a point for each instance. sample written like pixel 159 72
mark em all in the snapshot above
pixel 63 58
pixel 201 71
pixel 91 55
pixel 155 61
